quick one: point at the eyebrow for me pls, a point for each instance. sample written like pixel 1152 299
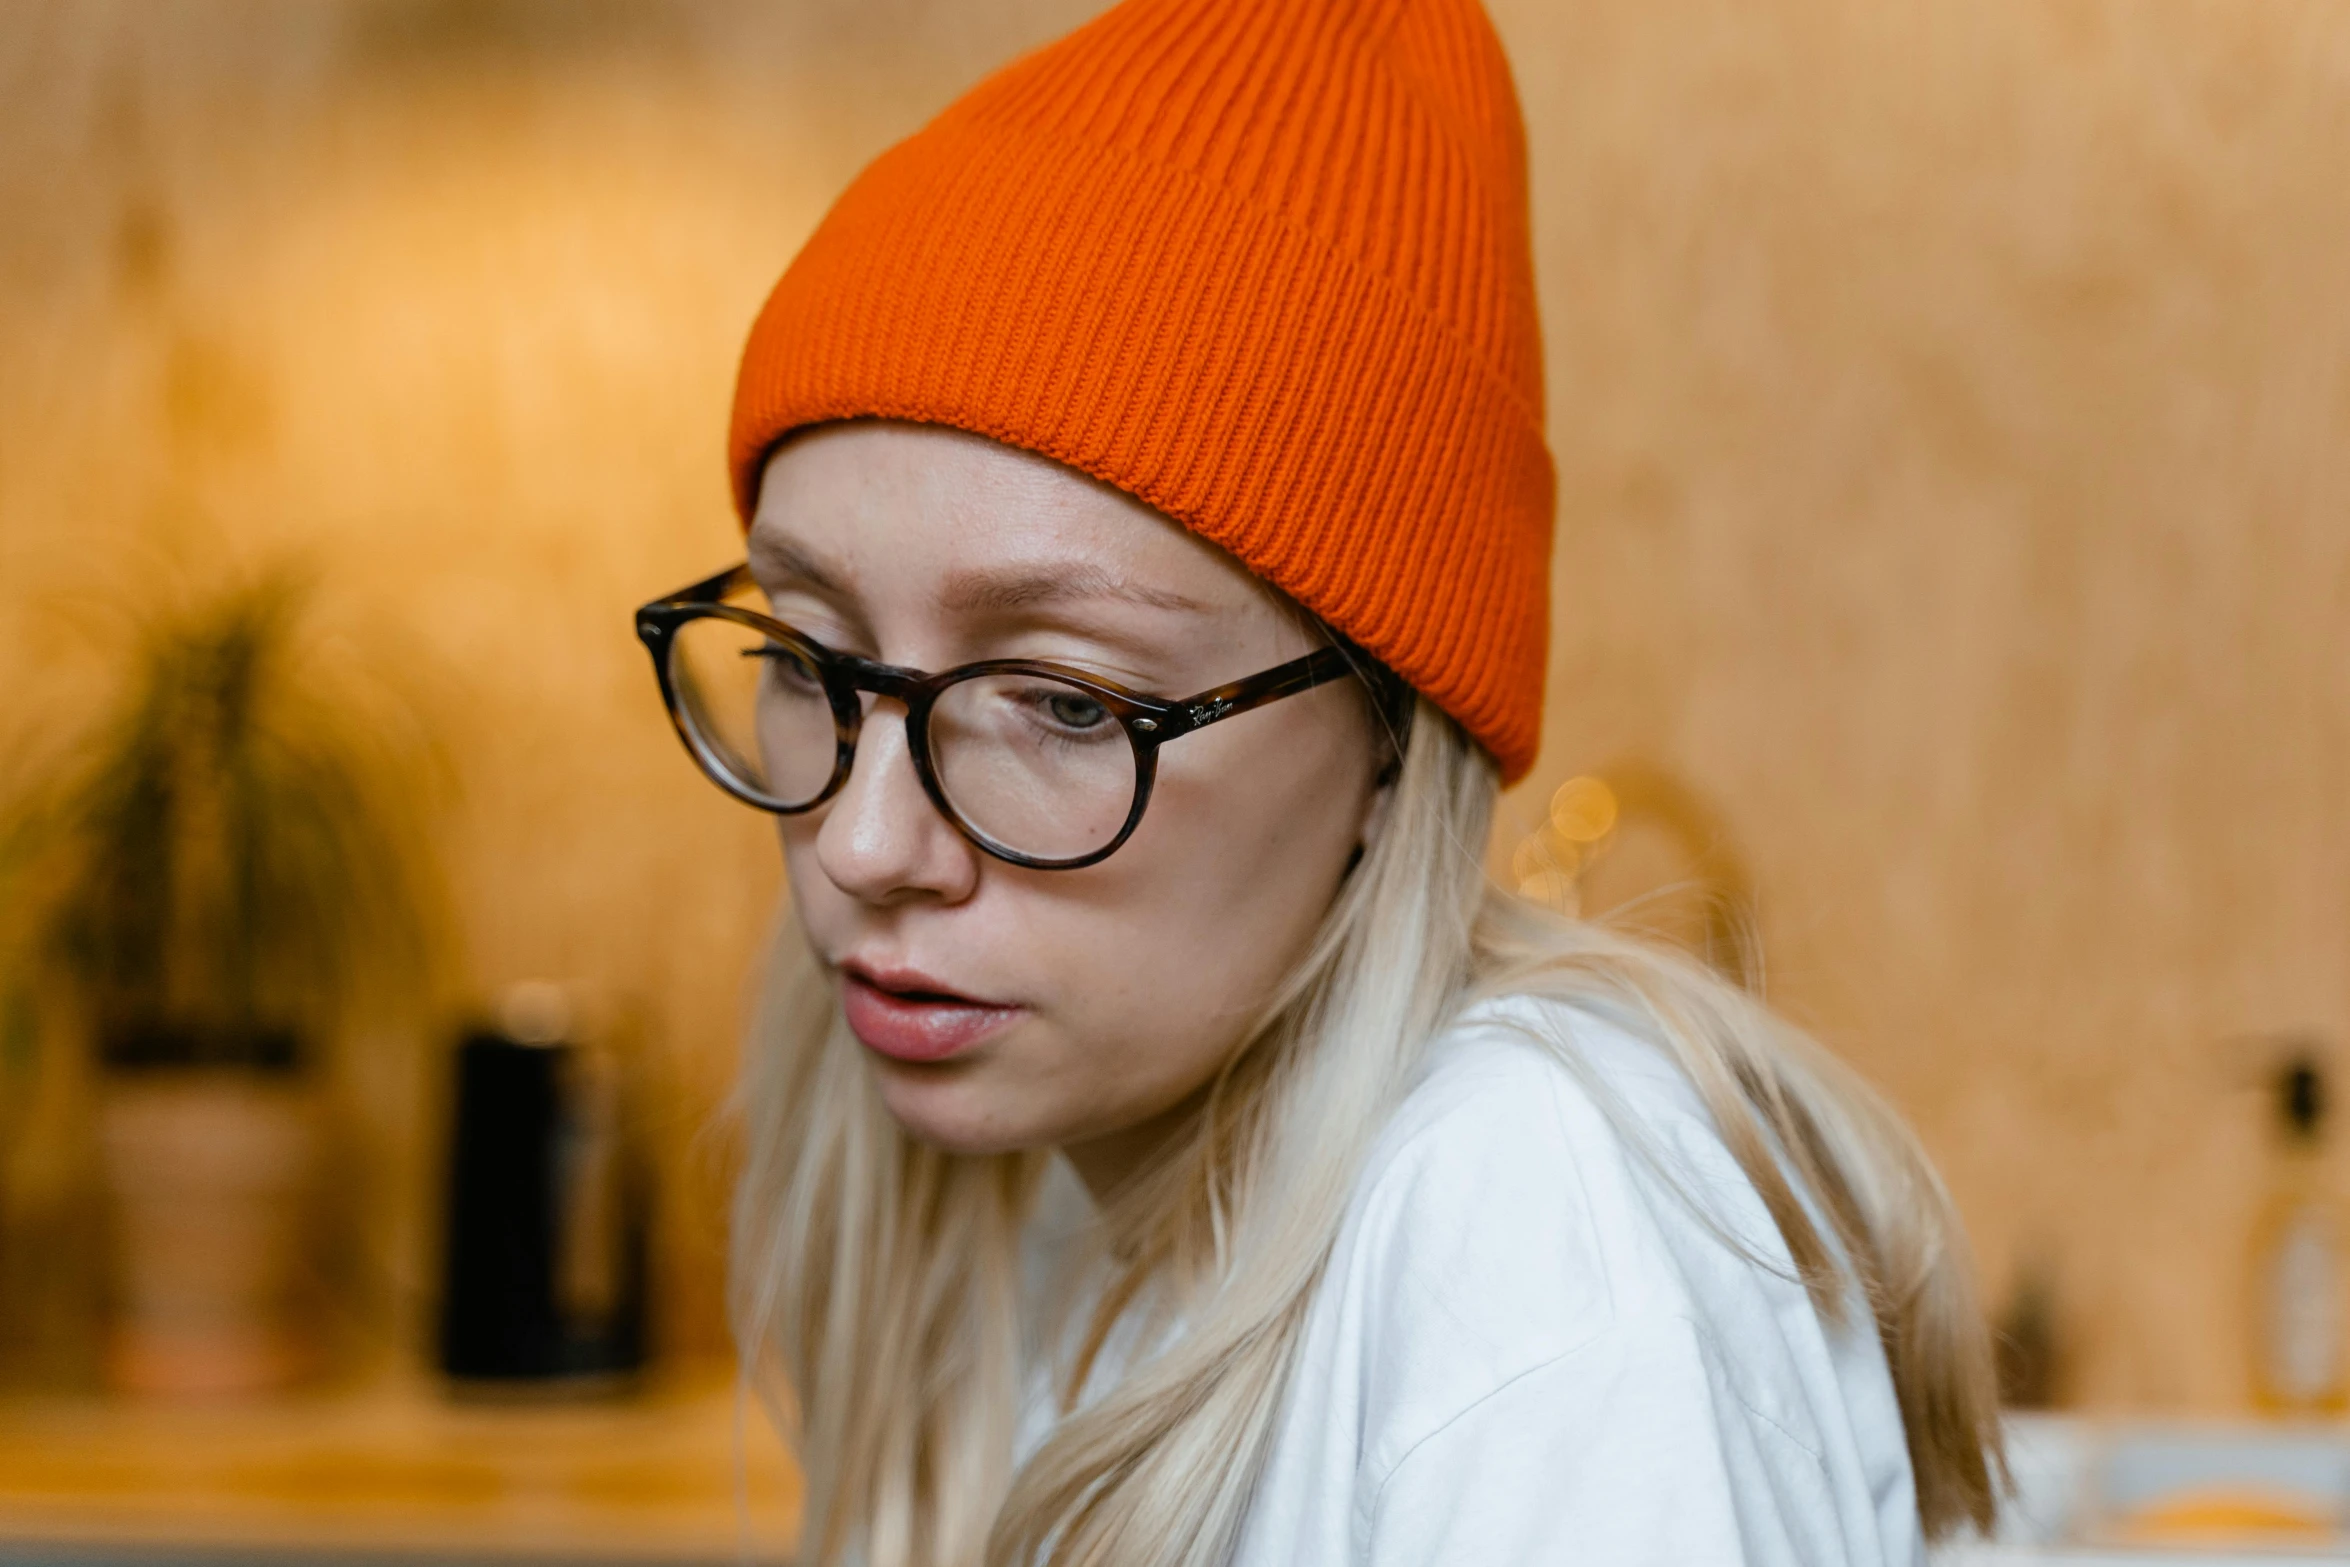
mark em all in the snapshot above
pixel 1020 587
pixel 982 590
pixel 773 557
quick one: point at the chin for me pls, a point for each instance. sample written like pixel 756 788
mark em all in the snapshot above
pixel 945 1108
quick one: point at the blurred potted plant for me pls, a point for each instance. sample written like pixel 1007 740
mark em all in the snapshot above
pixel 220 871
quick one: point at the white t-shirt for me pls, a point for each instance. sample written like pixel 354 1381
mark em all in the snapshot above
pixel 1528 1349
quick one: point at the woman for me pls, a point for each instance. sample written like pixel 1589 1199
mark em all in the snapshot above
pixel 1164 1146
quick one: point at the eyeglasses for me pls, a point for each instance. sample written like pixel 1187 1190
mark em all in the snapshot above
pixel 1037 763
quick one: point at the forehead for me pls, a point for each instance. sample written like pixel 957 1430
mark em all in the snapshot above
pixel 873 497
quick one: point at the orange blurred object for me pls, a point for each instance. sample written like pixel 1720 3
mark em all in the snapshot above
pixel 2228 1516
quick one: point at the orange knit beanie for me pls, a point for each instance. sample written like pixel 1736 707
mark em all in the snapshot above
pixel 1262 264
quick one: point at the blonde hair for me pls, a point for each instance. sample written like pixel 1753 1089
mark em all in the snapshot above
pixel 876 1282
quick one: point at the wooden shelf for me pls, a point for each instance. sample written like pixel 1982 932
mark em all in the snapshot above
pixel 673 1476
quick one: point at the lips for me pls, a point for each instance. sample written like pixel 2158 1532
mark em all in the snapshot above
pixel 908 1016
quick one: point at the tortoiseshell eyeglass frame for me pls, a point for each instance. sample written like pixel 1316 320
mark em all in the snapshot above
pixel 1149 721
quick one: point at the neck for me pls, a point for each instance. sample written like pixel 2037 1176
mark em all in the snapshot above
pixel 1111 1163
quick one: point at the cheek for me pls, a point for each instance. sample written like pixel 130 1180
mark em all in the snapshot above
pixel 802 877
pixel 829 918
pixel 1215 898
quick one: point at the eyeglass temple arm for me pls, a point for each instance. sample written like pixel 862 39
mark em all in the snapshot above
pixel 1299 674
pixel 712 590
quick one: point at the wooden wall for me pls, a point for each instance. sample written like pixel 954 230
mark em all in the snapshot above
pixel 1952 404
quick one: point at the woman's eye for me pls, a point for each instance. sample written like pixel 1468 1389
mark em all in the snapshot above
pixel 787 666
pixel 1074 711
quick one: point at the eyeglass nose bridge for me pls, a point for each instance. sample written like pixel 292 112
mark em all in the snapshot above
pixel 907 687
pixel 847 676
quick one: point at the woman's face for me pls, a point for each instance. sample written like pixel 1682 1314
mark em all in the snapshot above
pixel 1003 1007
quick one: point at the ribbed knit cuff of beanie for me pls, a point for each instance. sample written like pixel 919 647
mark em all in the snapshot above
pixel 1262 264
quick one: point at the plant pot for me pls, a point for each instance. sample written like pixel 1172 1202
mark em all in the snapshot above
pixel 210 1180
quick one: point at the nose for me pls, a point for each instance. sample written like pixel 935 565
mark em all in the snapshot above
pixel 882 841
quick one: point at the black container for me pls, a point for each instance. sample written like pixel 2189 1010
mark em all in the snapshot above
pixel 545 1236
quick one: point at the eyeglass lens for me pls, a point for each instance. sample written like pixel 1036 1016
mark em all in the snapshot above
pixel 757 706
pixel 1036 764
